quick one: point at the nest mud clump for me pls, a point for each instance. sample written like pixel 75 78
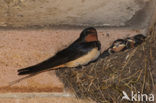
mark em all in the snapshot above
pixel 104 80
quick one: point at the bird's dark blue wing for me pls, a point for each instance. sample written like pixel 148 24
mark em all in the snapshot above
pixel 71 53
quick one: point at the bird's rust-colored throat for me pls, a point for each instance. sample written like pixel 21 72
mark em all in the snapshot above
pixel 91 38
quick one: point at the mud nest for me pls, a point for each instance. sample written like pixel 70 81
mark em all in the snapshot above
pixel 104 80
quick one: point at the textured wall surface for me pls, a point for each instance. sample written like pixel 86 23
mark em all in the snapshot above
pixel 71 12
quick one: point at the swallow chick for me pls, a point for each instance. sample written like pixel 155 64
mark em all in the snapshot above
pixel 135 40
pixel 84 50
pixel 117 46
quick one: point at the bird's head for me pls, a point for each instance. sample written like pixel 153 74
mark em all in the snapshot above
pixel 119 42
pixel 118 45
pixel 139 38
pixel 89 35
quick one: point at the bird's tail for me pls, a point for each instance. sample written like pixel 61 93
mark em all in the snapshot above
pixel 41 67
pixel 28 70
pixel 36 69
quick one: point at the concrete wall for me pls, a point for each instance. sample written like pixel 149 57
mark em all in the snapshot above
pixel 20 13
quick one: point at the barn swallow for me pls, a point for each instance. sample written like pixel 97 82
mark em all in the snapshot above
pixel 135 40
pixel 117 46
pixel 84 50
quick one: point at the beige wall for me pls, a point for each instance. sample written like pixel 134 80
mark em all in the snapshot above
pixel 70 12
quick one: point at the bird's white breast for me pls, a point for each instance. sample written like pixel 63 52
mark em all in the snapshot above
pixel 90 56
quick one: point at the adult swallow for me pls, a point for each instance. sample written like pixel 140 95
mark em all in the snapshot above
pixel 84 50
pixel 135 40
pixel 117 46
